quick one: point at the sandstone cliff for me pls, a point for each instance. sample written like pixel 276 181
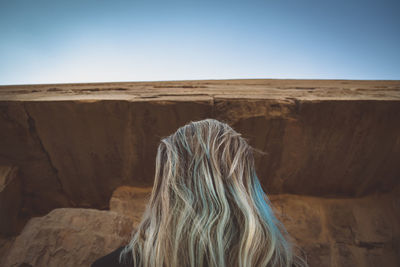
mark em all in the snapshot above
pixel 332 152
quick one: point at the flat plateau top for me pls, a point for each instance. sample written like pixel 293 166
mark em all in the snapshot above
pixel 207 90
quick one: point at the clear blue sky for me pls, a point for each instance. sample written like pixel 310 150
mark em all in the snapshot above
pixel 94 41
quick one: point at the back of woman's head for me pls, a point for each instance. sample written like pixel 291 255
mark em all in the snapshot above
pixel 207 207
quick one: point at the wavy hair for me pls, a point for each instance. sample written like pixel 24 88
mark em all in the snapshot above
pixel 207 207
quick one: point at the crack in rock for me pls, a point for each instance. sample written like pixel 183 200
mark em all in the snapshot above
pixel 35 135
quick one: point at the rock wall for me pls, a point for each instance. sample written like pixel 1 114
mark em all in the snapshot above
pixel 326 232
pixel 68 237
pixel 10 200
pixel 74 144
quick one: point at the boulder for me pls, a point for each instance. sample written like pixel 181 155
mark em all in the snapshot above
pixel 343 232
pixel 69 237
pixel 131 202
pixel 326 232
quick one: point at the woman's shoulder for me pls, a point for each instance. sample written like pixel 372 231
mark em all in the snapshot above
pixel 110 260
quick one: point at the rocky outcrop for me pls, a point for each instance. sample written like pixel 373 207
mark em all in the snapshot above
pixel 21 146
pixel 10 200
pixel 68 237
pixel 75 143
pixel 131 202
pixel 343 232
pixel 326 232
pixel 330 167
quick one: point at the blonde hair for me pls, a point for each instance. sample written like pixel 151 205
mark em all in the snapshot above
pixel 207 207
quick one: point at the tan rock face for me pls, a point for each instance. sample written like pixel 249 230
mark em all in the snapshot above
pixel 333 144
pixel 21 146
pixel 5 245
pixel 327 232
pixel 343 232
pixel 10 200
pixel 74 144
pixel 131 202
pixel 69 237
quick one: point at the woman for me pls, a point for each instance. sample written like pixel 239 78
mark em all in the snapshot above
pixel 207 207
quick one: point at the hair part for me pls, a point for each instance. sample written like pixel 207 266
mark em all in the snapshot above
pixel 207 206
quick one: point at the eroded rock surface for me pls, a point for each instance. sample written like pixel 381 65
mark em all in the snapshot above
pixel 131 202
pixel 327 232
pixel 335 144
pixel 10 200
pixel 68 237
pixel 343 232
pixel 75 143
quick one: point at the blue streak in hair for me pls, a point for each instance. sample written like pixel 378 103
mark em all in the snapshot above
pixel 264 208
pixel 206 149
